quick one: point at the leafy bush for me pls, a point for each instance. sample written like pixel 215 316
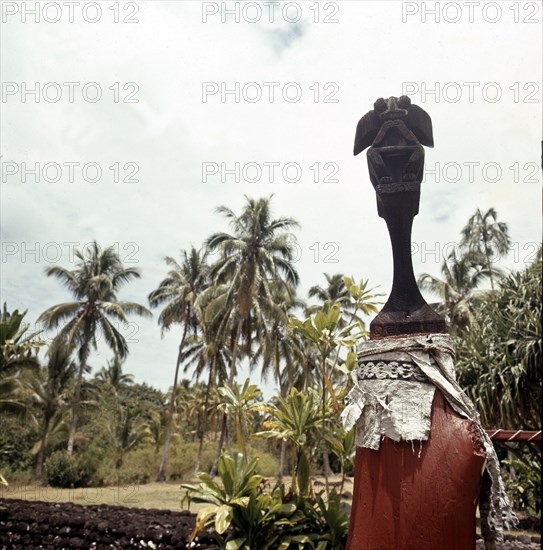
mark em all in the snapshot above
pixel 183 458
pixel 522 476
pixel 131 476
pixel 105 474
pixel 17 476
pixel 139 466
pixel 87 468
pixel 267 464
pixel 16 443
pixel 498 364
pixel 244 516
pixel 64 471
pixel 61 470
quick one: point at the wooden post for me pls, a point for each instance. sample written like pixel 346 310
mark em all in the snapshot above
pixel 403 501
pixel 408 495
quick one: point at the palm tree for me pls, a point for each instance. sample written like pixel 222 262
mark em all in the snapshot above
pixel 94 283
pixel 52 387
pixel 279 350
pixel 462 274
pixel 127 430
pixel 57 435
pixel 157 421
pixel 354 299
pixel 206 350
pixel 113 375
pixel 178 291
pixel 18 348
pixel 282 352
pixel 488 237
pixel 18 353
pixel 296 419
pixel 335 291
pixel 190 405
pixel 239 403
pixel 254 258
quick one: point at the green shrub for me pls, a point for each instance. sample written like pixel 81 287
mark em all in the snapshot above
pixel 61 470
pixel 140 466
pixel 16 443
pixel 267 464
pixel 16 476
pixel 105 474
pixel 242 515
pixel 64 471
pixel 183 459
pixel 87 467
pixel 133 476
pixel 522 477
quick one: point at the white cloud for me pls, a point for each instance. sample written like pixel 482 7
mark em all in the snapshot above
pixel 170 53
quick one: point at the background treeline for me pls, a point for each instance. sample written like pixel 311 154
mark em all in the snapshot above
pixel 233 302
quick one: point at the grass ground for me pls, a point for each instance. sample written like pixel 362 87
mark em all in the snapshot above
pixel 151 495
pixel 166 496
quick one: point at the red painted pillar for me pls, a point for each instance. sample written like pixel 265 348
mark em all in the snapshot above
pixel 419 495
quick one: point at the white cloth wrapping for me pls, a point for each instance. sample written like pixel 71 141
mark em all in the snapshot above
pixel 392 396
pixel 398 408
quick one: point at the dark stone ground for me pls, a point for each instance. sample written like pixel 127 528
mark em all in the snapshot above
pixel 25 525
pixel 516 542
pixel 33 524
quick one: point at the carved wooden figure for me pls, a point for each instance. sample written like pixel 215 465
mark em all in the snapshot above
pixel 395 131
pixel 423 460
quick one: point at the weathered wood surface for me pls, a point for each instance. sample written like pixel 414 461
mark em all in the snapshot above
pixel 413 496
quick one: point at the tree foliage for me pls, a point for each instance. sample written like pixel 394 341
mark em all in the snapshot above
pixel 499 353
pixel 94 283
pixel 235 304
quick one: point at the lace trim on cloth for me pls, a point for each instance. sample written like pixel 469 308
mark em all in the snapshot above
pixel 393 370
pixel 398 405
pixel 392 397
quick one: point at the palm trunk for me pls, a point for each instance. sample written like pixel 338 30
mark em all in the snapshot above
pixel 231 378
pixel 161 476
pixel 77 397
pixel 41 453
pixel 342 486
pixel 325 458
pixel 487 255
pixel 240 437
pixel 198 465
pixel 326 464
pixel 282 459
pixel 294 484
pixel 75 413
pixel 196 435
pixel 488 266
pixel 215 465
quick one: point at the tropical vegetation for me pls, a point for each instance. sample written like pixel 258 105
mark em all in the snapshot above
pixel 234 303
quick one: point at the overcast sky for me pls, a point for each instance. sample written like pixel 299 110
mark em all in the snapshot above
pixel 176 107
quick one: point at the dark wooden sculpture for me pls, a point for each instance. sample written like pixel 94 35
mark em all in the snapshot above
pixel 411 495
pixel 395 131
